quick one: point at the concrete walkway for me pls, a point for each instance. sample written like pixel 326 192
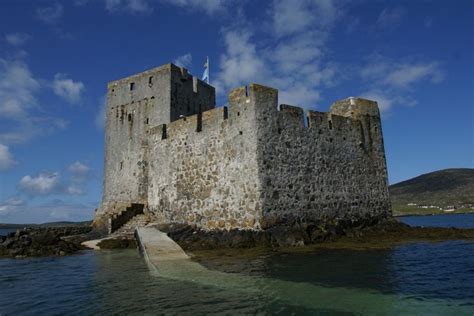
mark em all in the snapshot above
pixel 157 246
pixel 93 244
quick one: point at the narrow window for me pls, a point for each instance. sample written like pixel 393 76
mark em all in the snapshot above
pixel 121 165
pixel 240 133
pixel 330 124
pixel 199 122
pixel 163 132
pixel 226 114
pixel 147 120
pixel 130 117
pixel 150 81
pixel 238 113
pixel 132 86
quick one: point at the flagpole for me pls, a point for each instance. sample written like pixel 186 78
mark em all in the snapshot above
pixel 205 75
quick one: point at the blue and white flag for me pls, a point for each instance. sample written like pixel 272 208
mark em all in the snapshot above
pixel 205 75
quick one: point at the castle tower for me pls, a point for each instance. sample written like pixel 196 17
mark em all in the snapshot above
pixel 134 105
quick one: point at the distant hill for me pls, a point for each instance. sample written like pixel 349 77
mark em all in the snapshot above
pixel 443 189
pixel 51 224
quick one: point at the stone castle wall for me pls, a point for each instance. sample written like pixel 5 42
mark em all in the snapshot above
pixel 253 166
pixel 330 167
pixel 203 170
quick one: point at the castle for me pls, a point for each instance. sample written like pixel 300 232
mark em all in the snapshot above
pixel 174 156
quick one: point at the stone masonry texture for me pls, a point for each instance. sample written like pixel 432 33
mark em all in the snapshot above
pixel 251 165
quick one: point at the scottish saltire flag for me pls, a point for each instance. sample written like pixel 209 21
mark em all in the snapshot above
pixel 205 75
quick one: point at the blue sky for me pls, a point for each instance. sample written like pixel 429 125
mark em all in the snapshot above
pixel 414 57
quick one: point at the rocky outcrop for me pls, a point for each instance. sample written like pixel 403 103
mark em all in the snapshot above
pixel 34 242
pixel 290 234
pixel 388 232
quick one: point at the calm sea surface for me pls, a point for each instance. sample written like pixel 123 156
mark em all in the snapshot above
pixel 419 278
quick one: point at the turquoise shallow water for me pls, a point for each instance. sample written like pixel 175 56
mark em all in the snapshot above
pixel 420 278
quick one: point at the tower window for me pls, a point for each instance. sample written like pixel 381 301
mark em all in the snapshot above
pixel 150 81
pixel 132 86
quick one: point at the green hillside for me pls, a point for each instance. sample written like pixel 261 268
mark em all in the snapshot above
pixel 434 192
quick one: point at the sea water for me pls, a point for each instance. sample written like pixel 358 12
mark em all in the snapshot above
pixel 423 278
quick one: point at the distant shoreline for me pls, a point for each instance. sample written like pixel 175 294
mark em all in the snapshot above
pixel 432 214
pixel 43 225
pixel 87 223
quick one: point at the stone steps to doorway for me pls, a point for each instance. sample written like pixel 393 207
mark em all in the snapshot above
pixel 128 229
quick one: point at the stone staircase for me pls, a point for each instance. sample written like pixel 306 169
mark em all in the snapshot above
pixel 128 229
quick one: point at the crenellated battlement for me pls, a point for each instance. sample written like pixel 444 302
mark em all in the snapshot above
pixel 244 109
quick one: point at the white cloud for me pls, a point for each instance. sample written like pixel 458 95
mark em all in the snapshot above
pixel 11 205
pixel 392 83
pixel 50 15
pixel 48 183
pixel 52 183
pixel 74 189
pixel 146 6
pixel 20 119
pixel 184 60
pixel 17 39
pixel 383 71
pixel 29 127
pixel 78 168
pixel 44 183
pixel 67 88
pixel 292 16
pixel 6 158
pixel 131 6
pixel 295 52
pixel 240 63
pixel 390 18
pixel 208 6
pixel 100 116
pixel 17 88
pixel 79 171
pixel 406 74
pixel 292 60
